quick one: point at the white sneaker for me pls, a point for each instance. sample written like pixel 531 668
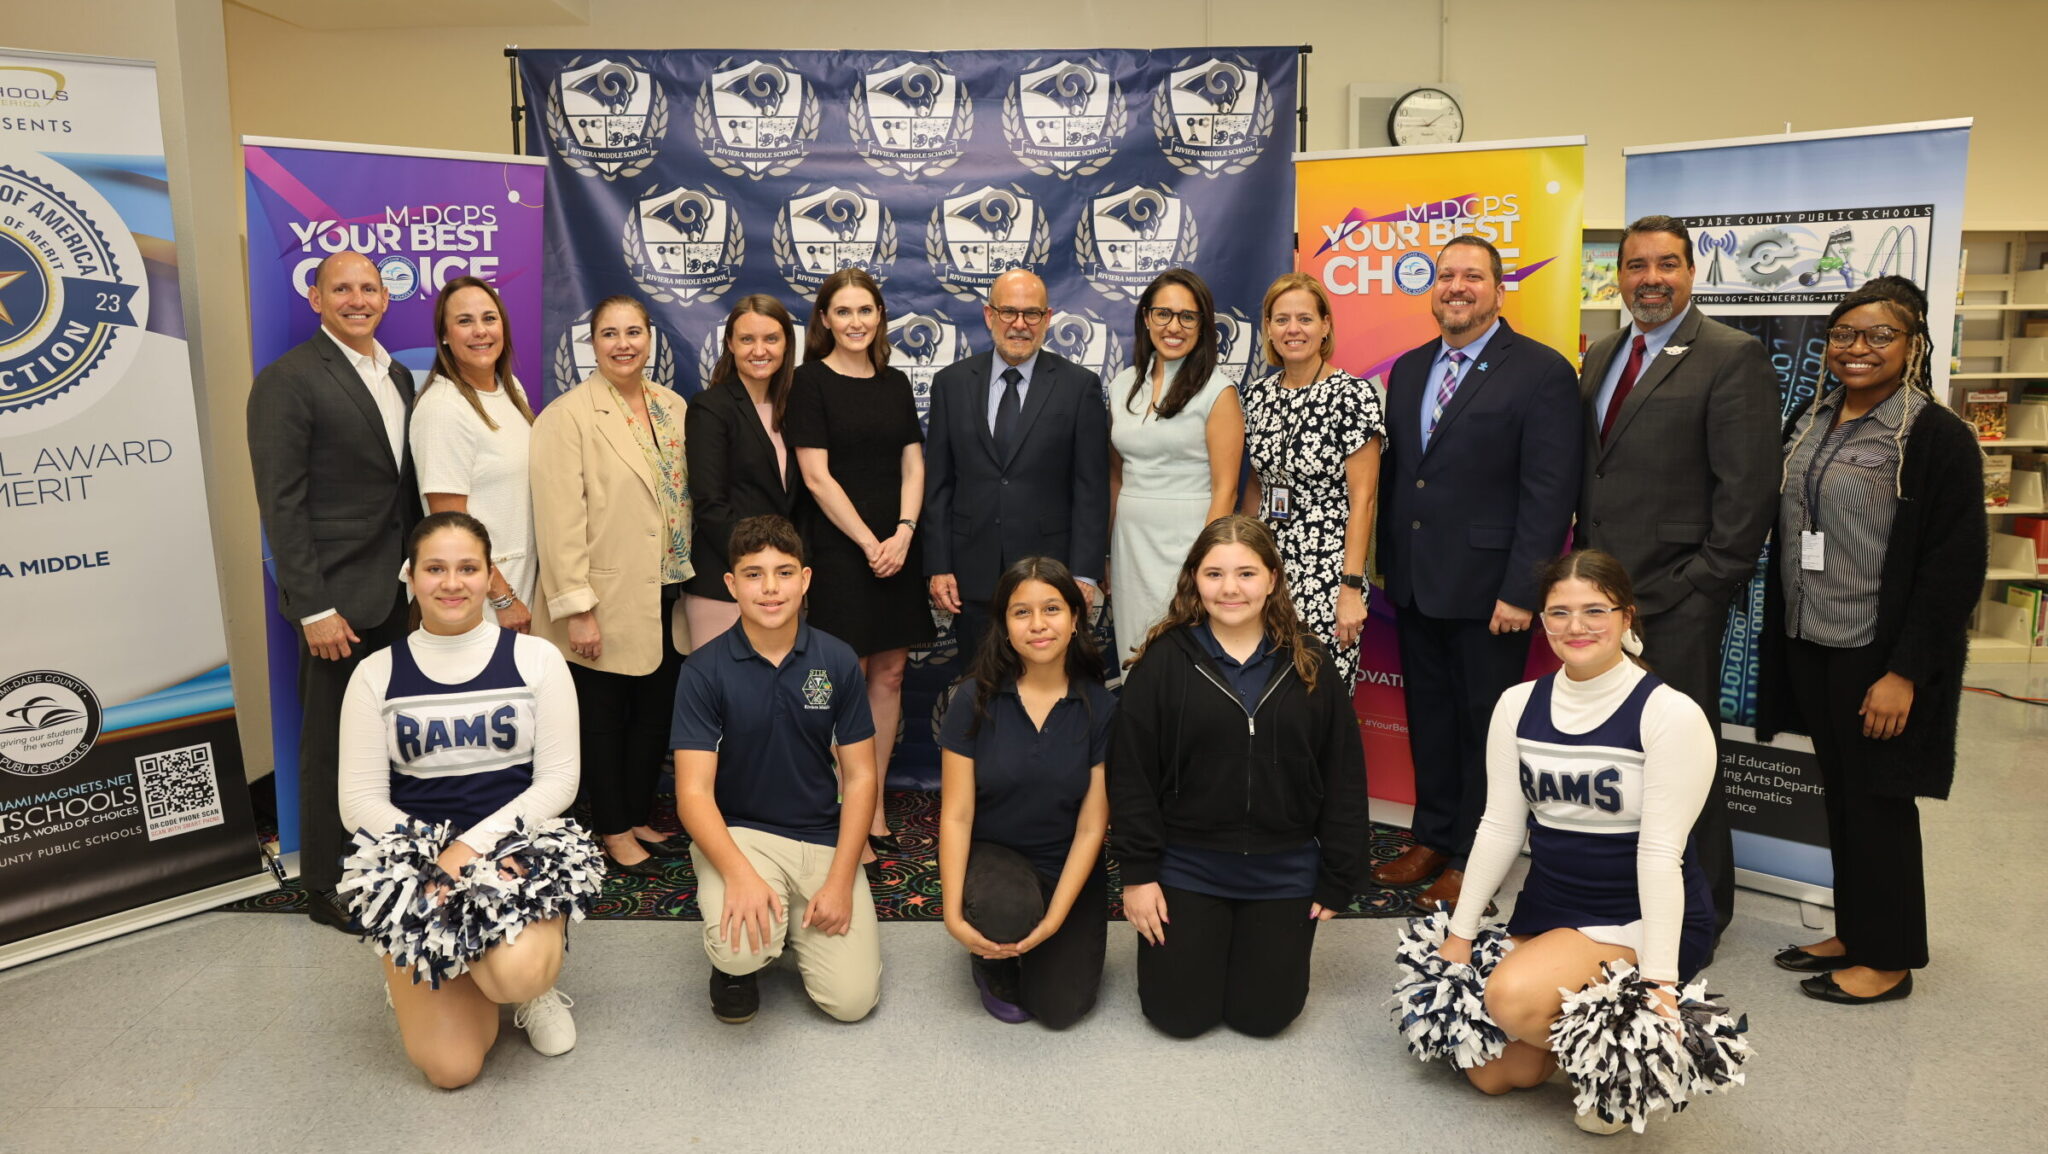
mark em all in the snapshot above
pixel 1592 1123
pixel 547 1023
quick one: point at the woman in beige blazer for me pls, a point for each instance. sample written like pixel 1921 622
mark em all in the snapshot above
pixel 611 512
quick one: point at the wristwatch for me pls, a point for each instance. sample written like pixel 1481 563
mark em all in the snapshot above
pixel 1352 581
pixel 908 523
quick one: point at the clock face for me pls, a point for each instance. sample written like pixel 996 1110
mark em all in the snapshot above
pixel 1426 116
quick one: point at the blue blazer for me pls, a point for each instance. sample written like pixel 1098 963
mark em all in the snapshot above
pixel 1468 521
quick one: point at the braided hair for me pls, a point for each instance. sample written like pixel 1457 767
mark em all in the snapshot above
pixel 1908 305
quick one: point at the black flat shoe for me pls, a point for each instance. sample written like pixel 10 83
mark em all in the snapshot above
pixel 325 908
pixel 1823 988
pixel 639 869
pixel 890 844
pixel 671 848
pixel 1800 962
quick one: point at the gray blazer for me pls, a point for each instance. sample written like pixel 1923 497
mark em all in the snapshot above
pixel 1685 489
pixel 335 507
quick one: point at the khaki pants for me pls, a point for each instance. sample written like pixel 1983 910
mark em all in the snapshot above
pixel 842 973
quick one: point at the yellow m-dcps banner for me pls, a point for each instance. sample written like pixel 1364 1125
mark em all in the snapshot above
pixel 1370 226
pixel 1371 223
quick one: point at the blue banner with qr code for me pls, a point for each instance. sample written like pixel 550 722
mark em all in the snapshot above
pixel 121 778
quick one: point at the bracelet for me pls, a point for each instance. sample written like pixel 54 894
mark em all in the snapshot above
pixel 910 523
pixel 501 603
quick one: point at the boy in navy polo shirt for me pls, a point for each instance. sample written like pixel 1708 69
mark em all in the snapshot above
pixel 776 851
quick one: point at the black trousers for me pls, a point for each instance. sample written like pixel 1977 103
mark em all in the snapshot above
pixel 1682 645
pixel 1004 899
pixel 969 626
pixel 623 723
pixel 322 685
pixel 1880 888
pixel 1452 672
pixel 1242 963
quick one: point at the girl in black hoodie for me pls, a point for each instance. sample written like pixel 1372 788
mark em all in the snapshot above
pixel 1236 791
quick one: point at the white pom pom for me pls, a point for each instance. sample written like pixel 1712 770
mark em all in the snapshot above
pixel 1626 1059
pixel 1440 1006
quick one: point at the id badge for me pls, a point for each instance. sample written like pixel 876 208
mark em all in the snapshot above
pixel 1279 503
pixel 1813 550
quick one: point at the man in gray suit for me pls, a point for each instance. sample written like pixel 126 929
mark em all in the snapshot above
pixel 1681 480
pixel 335 489
pixel 1016 461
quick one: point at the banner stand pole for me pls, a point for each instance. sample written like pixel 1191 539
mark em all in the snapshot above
pixel 518 108
pixel 1301 99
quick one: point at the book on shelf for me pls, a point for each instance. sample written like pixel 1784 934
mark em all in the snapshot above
pixel 2026 599
pixel 2034 529
pixel 1998 479
pixel 1985 410
pixel 1599 278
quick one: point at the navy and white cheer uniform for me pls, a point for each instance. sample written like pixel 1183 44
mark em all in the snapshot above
pixel 477 729
pixel 1606 777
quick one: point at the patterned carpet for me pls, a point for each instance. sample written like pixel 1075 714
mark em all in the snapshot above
pixel 906 889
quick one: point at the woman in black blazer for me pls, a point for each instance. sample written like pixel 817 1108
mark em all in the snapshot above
pixel 1879 562
pixel 739 466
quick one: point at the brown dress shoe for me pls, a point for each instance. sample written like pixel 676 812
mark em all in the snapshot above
pixel 1415 864
pixel 1443 894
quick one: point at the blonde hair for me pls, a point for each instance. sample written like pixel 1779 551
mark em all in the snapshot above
pixel 1297 282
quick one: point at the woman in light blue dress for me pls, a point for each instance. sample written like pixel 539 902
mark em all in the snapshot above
pixel 1176 436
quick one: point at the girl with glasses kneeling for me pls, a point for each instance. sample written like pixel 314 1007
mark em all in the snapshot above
pixel 458 753
pixel 1236 793
pixel 1603 768
pixel 1023 807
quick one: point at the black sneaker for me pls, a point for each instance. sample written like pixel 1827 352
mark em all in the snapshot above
pixel 735 998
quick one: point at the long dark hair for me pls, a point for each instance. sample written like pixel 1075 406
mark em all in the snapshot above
pixel 1200 363
pixel 444 357
pixel 728 370
pixel 1282 623
pixel 997 663
pixel 818 340
pixel 1602 572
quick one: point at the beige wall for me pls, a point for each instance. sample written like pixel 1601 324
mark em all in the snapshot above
pixel 1526 67
pixel 1710 68
pixel 186 40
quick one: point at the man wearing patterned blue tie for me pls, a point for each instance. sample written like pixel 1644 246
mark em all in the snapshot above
pixel 1477 485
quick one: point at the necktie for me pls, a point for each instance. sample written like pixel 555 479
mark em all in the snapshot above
pixel 1007 411
pixel 1629 372
pixel 1444 389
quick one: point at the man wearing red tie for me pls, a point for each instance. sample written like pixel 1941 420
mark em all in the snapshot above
pixel 1680 480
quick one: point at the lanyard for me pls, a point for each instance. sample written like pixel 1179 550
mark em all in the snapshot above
pixel 1814 476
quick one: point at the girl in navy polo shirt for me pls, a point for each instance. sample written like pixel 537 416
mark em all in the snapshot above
pixel 459 751
pixel 1237 793
pixel 1024 806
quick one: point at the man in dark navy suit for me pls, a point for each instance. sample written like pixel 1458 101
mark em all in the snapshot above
pixel 335 489
pixel 1477 485
pixel 1016 461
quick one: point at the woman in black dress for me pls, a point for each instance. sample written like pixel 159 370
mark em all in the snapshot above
pixel 853 422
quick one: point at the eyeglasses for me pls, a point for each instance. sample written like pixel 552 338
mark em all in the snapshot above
pixel 1161 318
pixel 1596 618
pixel 1028 316
pixel 1876 336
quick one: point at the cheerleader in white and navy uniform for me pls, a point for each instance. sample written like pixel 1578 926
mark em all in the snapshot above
pixel 459 748
pixel 1604 768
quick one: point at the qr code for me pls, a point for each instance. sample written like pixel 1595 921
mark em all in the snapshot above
pixel 179 790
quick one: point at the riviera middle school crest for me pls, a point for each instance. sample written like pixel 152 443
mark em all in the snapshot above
pixel 1237 347
pixel 757 118
pixel 1127 238
pixel 683 245
pixel 1087 340
pixel 977 235
pixel 924 343
pixel 74 297
pixel 1065 119
pixel 1213 116
pixel 817 690
pixel 818 233
pixel 576 362
pixel 911 119
pixel 607 118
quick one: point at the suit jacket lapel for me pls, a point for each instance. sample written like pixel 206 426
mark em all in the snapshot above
pixel 351 385
pixel 1042 376
pixel 611 423
pixel 978 403
pixel 1653 374
pixel 1476 378
pixel 750 419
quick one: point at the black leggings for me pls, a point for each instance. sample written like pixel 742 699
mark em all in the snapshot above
pixel 623 720
pixel 1242 963
pixel 1004 899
